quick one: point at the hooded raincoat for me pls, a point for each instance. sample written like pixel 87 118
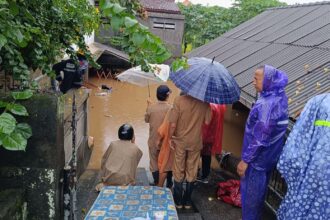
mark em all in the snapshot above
pixel 263 141
pixel 305 164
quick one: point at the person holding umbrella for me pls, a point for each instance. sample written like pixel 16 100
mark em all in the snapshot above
pixel 263 139
pixel 204 82
pixel 186 119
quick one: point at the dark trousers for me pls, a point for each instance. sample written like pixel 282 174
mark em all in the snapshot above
pixel 206 165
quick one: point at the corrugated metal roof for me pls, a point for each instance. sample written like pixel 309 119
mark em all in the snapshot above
pixel 256 58
pixel 221 45
pixel 315 38
pixel 248 51
pixel 304 30
pixel 279 18
pixel 298 13
pixel 207 46
pixel 257 23
pixel 233 48
pixel 295 39
pixel 246 24
pixel 308 17
pixel 325 45
pixel 281 58
pixel 308 86
pixel 98 49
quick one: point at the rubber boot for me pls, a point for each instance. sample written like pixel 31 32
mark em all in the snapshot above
pixel 169 181
pixel 155 175
pixel 177 194
pixel 187 195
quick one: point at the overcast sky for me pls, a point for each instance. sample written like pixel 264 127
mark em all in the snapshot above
pixel 227 3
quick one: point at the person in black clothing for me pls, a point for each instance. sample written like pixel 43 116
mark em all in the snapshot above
pixel 69 73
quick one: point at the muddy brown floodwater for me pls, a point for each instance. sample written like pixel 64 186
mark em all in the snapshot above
pixel 127 104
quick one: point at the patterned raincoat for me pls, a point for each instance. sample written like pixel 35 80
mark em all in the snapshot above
pixel 305 164
pixel 263 141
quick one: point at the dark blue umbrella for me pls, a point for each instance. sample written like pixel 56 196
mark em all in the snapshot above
pixel 208 81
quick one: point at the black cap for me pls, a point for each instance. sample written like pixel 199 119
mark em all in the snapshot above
pixel 163 92
pixel 126 132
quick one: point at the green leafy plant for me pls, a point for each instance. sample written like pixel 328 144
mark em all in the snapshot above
pixel 34 35
pixel 142 46
pixel 178 64
pixel 13 135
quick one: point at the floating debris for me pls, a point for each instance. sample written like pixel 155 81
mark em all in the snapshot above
pixel 105 87
pixel 101 94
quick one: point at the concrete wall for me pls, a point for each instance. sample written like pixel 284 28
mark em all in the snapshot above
pixel 39 170
pixel 233 131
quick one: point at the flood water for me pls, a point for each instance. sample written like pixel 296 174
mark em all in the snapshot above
pixel 127 104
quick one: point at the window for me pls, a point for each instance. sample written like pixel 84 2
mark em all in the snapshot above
pixel 163 25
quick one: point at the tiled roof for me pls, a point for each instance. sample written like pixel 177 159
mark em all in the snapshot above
pixel 295 39
pixel 162 6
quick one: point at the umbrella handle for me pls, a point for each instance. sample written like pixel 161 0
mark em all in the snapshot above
pixel 148 89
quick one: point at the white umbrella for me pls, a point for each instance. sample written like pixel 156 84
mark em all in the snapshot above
pixel 136 76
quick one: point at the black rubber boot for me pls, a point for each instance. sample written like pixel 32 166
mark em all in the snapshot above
pixel 177 194
pixel 187 195
pixel 169 181
pixel 155 175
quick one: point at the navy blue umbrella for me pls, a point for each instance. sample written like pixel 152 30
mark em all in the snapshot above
pixel 208 81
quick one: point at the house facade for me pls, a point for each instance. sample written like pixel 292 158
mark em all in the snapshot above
pixel 166 21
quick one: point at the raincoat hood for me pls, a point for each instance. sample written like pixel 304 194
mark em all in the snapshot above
pixel 305 163
pixel 274 80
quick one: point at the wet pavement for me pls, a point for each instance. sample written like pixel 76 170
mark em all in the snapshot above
pixel 205 202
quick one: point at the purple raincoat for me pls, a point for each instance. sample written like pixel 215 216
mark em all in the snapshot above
pixel 263 141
